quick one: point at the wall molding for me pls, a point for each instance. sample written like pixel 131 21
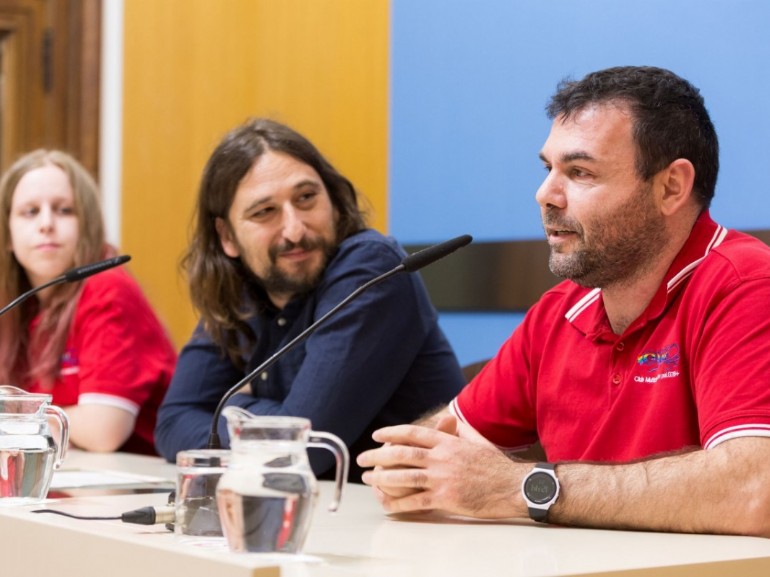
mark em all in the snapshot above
pixel 505 276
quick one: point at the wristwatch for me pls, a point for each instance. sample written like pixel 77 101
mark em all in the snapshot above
pixel 540 489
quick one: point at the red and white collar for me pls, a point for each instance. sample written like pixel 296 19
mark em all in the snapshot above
pixel 705 236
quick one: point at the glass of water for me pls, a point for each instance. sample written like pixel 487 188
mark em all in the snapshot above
pixel 197 475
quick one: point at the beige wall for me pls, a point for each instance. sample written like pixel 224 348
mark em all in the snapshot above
pixel 196 68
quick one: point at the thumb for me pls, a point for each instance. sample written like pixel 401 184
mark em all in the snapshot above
pixel 447 424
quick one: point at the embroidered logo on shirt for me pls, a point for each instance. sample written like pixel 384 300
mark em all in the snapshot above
pixel 663 362
pixel 69 363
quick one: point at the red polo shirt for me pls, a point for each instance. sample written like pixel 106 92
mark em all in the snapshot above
pixel 692 370
pixel 117 354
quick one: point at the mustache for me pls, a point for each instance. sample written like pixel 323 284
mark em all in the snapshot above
pixel 553 220
pixel 305 244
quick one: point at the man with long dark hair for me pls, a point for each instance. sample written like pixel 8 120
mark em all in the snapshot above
pixel 279 240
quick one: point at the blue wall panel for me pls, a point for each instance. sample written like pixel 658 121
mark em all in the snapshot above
pixel 469 82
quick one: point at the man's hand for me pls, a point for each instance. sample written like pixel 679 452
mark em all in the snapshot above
pixel 422 469
pixel 447 424
pixel 453 470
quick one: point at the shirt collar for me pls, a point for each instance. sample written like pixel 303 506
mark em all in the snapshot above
pixel 588 314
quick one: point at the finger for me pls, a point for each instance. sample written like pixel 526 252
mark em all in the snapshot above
pixel 396 480
pixel 384 494
pixel 379 494
pixel 381 491
pixel 392 492
pixel 417 502
pixel 408 435
pixel 465 431
pixel 393 456
pixel 447 424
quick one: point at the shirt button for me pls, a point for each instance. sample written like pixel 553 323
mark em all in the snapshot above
pixel 263 376
pixel 616 379
pixel 281 321
pixel 620 346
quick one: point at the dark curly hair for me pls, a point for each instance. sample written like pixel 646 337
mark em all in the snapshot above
pixel 670 118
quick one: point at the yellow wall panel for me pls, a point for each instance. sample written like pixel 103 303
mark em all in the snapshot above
pixel 193 69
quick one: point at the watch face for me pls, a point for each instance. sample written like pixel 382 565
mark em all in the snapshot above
pixel 540 487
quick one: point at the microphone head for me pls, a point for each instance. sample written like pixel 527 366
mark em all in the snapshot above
pixel 433 253
pixel 81 272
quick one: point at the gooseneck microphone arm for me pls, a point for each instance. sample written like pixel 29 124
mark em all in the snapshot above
pixel 72 275
pixel 410 263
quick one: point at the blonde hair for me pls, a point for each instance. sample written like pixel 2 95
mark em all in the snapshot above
pixel 47 345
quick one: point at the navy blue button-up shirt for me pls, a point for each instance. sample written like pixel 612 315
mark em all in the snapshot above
pixel 382 360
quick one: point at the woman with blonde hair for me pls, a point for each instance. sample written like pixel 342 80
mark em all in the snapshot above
pixel 95 345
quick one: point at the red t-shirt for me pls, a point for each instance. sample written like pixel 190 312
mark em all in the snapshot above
pixel 117 354
pixel 692 370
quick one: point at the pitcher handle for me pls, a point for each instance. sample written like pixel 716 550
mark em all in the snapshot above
pixel 334 444
pixel 64 433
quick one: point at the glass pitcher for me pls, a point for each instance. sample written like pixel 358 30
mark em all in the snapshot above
pixel 267 494
pixel 28 454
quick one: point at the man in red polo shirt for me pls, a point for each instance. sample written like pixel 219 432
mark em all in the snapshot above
pixel 646 375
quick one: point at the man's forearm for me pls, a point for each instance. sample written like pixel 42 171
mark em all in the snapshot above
pixel 723 490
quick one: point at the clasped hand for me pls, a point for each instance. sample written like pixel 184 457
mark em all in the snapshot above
pixel 450 469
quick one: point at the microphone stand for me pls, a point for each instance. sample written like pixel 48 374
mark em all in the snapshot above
pixel 214 441
pixel 410 263
pixel 71 275
pixel 21 298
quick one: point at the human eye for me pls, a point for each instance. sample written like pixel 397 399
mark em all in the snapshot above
pixel 262 213
pixel 65 210
pixel 307 197
pixel 29 211
pixel 580 173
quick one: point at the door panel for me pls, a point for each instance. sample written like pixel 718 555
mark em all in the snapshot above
pixel 49 78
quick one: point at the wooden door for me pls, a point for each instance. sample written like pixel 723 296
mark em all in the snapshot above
pixel 49 78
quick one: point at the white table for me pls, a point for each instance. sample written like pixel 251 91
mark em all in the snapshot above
pixel 357 540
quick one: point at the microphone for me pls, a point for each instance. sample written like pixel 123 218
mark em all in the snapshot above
pixel 72 275
pixel 426 256
pixel 410 263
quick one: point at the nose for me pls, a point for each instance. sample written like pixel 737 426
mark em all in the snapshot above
pixel 293 225
pixel 551 192
pixel 45 218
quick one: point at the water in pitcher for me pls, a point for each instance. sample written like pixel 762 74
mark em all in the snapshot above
pixel 267 494
pixel 270 516
pixel 25 475
pixel 28 453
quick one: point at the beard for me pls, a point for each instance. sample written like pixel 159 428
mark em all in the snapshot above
pixel 278 281
pixel 621 246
